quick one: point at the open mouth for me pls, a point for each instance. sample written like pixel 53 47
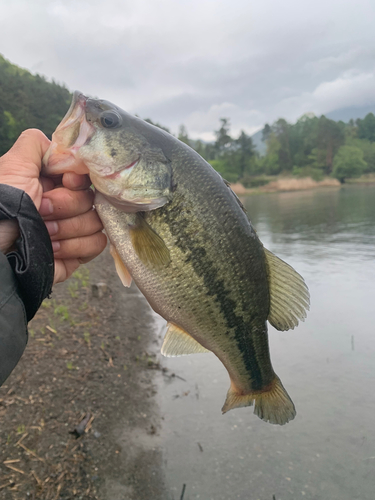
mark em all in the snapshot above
pixel 75 113
pixel 73 132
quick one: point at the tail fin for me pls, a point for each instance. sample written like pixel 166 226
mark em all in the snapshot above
pixel 273 405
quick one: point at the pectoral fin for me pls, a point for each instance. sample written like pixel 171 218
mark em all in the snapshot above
pixel 178 343
pixel 121 269
pixel 289 295
pixel 148 245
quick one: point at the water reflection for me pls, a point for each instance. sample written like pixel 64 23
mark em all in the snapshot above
pixel 343 216
pixel 327 365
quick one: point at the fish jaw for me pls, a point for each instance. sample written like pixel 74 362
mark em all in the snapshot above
pixel 71 134
pixel 137 204
pixel 134 177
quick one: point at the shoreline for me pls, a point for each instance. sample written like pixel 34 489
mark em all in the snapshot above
pixel 286 184
pixel 90 354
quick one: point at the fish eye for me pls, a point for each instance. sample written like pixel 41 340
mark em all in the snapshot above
pixel 110 119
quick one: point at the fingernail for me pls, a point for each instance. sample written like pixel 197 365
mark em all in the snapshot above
pixel 56 246
pixel 46 207
pixel 52 227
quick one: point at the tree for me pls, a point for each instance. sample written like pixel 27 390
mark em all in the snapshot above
pixel 244 152
pixel 266 132
pixel 368 149
pixel 271 160
pixel 303 140
pixel 330 137
pixel 225 168
pixel 28 101
pixel 281 131
pixel 223 139
pixel 183 135
pixel 148 120
pixel 348 163
pixel 366 127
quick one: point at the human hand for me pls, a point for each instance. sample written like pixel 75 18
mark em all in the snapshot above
pixel 20 166
pixel 74 227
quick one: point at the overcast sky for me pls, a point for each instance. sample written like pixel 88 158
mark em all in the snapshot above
pixel 194 61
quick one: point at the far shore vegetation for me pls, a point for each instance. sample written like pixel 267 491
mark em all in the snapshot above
pixel 313 147
pixel 323 150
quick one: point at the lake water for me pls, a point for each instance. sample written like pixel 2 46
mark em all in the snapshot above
pixel 327 366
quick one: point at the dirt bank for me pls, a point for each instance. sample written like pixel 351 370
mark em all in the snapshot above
pixel 287 184
pixel 87 356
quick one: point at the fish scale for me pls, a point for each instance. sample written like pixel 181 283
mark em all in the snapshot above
pixel 219 282
pixel 179 231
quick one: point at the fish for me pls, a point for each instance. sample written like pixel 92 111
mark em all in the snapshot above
pixel 178 230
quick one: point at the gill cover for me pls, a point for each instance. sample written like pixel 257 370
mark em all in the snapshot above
pixel 118 151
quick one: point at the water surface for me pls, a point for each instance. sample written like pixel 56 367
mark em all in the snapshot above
pixel 327 366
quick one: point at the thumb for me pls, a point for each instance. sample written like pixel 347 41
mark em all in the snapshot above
pixel 30 147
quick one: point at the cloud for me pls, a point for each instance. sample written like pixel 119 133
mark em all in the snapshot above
pixel 203 123
pixel 356 89
pixel 355 57
pixel 194 61
pixel 349 89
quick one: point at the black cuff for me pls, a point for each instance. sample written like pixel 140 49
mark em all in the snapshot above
pixel 32 261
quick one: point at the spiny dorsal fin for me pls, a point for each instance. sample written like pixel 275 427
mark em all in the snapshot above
pixel 234 194
pixel 289 295
pixel 121 269
pixel 178 343
pixel 148 245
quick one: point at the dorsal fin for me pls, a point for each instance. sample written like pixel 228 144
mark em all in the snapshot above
pixel 178 343
pixel 289 295
pixel 235 196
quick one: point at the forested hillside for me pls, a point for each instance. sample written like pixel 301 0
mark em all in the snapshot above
pixel 27 101
pixel 313 146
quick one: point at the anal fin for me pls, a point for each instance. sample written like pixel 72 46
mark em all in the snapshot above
pixel 121 269
pixel 178 343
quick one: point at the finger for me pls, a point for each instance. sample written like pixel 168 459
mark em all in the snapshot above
pixel 47 183
pixel 74 181
pixel 30 147
pixel 80 248
pixel 64 269
pixel 62 203
pixel 81 225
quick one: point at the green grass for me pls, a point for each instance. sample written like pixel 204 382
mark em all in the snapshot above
pixel 62 312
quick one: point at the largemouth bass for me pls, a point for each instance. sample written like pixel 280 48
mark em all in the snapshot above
pixel 179 231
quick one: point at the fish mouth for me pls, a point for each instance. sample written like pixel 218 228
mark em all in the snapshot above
pixel 73 132
pixel 132 205
pixel 122 172
pixel 76 110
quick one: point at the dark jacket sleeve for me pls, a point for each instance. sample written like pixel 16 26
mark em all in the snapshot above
pixel 26 275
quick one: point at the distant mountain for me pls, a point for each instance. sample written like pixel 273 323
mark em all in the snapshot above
pixel 258 143
pixel 346 114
